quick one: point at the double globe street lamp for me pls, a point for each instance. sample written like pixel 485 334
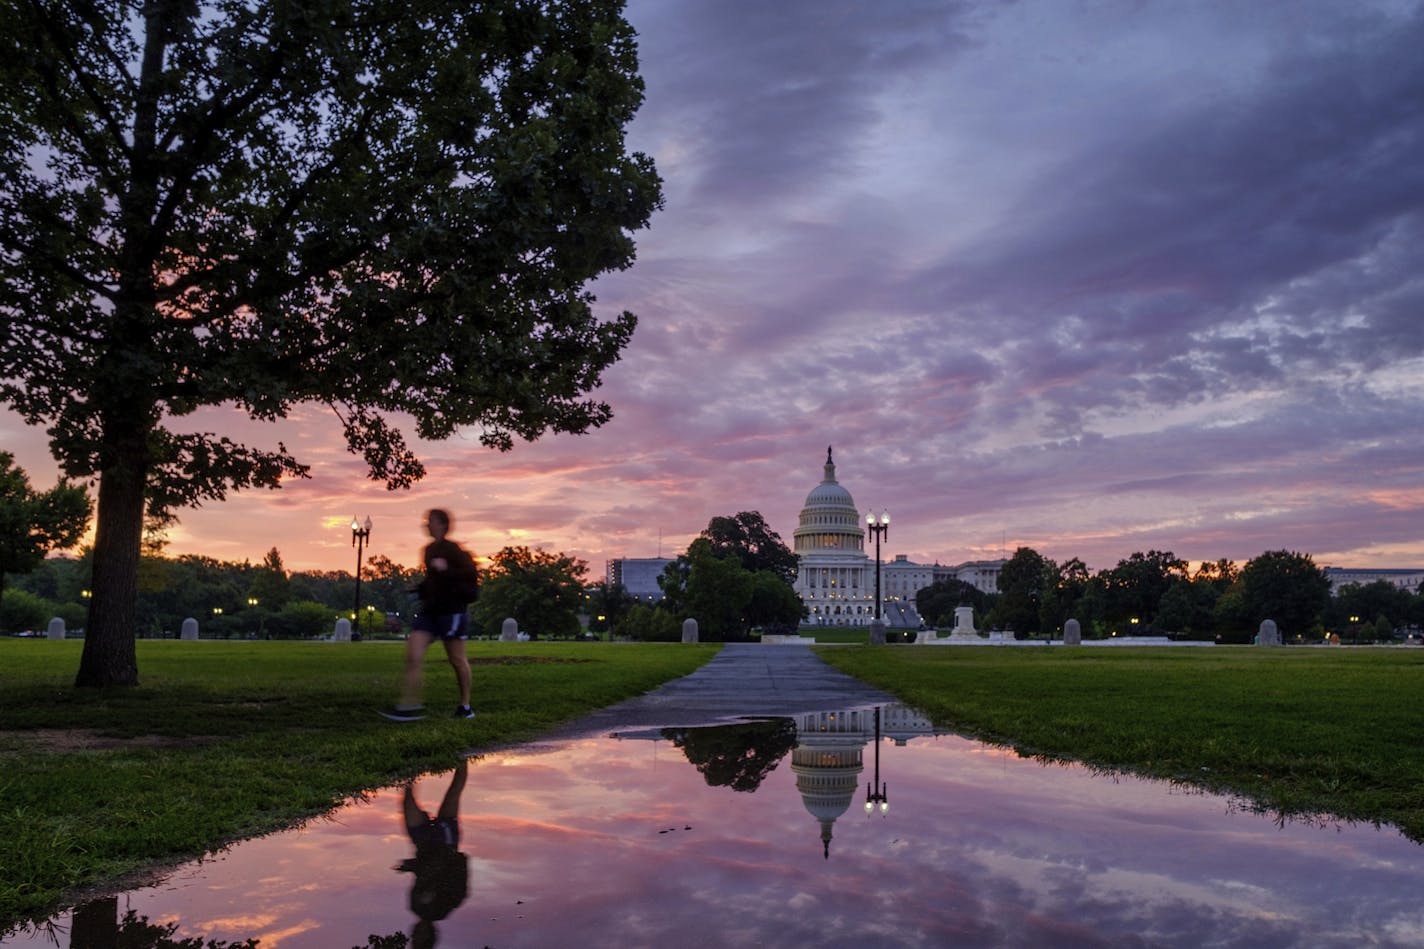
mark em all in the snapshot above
pixel 878 527
pixel 360 535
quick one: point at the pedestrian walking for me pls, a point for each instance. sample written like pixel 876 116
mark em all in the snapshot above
pixel 451 583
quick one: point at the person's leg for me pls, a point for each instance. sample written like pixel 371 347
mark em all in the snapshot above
pixel 411 678
pixel 415 818
pixel 450 803
pixel 455 652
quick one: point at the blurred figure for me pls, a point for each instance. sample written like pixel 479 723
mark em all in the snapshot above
pixel 451 584
pixel 441 870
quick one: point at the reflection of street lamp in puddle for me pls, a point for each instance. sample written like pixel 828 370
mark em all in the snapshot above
pixel 872 795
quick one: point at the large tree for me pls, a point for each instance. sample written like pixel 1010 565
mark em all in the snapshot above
pixel 1136 585
pixel 33 523
pixel 1287 587
pixel 736 756
pixel 937 602
pixel 606 603
pixel 713 587
pixel 391 209
pixel 1023 581
pixel 542 591
pixel 750 538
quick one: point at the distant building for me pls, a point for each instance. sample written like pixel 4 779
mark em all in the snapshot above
pixel 835 577
pixel 902 578
pixel 638 575
pixel 983 575
pixel 1402 579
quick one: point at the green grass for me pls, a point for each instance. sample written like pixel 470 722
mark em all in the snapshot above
pixel 1295 731
pixel 223 741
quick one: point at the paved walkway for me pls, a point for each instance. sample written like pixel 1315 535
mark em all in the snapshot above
pixel 744 680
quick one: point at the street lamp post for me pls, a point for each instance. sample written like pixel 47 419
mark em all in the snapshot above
pixel 875 793
pixel 360 535
pixel 878 528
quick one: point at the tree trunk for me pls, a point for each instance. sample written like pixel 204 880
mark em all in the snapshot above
pixel 109 656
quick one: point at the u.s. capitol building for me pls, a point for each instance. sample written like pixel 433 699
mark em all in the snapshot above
pixel 836 577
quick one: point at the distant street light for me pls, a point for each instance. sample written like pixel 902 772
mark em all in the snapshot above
pixel 878 528
pixel 359 537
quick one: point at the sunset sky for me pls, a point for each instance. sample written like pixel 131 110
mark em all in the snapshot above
pixel 1092 276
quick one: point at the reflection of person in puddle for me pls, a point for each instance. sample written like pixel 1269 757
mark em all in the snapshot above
pixel 441 870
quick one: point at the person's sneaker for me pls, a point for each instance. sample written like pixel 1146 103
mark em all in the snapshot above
pixel 398 713
pixel 463 711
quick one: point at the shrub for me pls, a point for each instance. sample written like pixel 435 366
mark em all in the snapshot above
pixel 302 619
pixel 649 625
pixel 20 610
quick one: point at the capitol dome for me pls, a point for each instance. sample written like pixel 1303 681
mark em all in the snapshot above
pixel 830 493
pixel 827 769
pixel 829 522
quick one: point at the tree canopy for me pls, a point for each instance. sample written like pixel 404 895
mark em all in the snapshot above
pixel 736 756
pixel 726 598
pixel 750 538
pixel 1287 587
pixel 1023 580
pixel 542 591
pixel 33 523
pixel 387 209
pixel 937 602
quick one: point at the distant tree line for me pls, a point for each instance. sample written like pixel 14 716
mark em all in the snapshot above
pixel 1155 593
pixel 736 580
pixel 544 592
pixel 228 599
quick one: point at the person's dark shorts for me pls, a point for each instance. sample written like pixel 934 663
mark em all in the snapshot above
pixel 453 626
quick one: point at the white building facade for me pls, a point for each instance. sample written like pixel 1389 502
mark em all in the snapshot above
pixel 836 578
pixel 1407 580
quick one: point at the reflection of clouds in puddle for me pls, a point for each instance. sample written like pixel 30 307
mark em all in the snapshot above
pixel 258 926
pixel 626 842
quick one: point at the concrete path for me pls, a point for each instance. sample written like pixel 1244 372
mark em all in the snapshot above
pixel 744 680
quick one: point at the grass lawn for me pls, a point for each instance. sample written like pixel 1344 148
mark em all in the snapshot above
pixel 1295 730
pixel 227 740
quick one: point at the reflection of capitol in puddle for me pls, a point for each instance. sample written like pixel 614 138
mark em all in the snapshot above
pixel 828 757
pixel 827 754
pixel 600 843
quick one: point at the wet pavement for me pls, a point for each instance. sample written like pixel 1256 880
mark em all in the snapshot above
pixel 744 680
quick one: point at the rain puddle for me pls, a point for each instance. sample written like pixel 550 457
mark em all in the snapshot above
pixel 782 832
